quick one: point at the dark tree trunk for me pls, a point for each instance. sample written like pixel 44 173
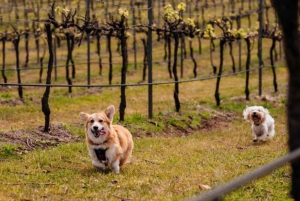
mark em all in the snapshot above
pixel 16 42
pixel 217 94
pixel 3 59
pixel 272 49
pixel 211 49
pixel 72 43
pixel 193 59
pixel 110 75
pixel 199 44
pixel 184 47
pixel 41 69
pixel 166 46
pixel 169 55
pixel 58 41
pixel 37 44
pixel 99 53
pixel 182 54
pixel 45 98
pixel 145 58
pixel 67 62
pixel 288 18
pixel 232 57
pixel 176 85
pixel 122 106
pixel 247 92
pixel 26 47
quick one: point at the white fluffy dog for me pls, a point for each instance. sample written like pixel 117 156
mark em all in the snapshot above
pixel 263 125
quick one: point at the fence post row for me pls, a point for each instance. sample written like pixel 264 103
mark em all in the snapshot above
pixel 261 24
pixel 88 45
pixel 149 58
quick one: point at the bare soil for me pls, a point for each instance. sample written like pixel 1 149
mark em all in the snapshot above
pixel 31 139
pixel 34 138
pixel 215 122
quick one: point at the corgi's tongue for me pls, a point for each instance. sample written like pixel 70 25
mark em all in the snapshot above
pixel 101 132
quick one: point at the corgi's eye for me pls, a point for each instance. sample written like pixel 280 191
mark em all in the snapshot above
pixel 92 121
pixel 100 120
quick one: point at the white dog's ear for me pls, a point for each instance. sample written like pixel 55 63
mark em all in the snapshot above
pixel 84 116
pixel 110 111
pixel 246 114
pixel 266 111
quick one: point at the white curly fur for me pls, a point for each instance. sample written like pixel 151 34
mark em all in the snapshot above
pixel 263 125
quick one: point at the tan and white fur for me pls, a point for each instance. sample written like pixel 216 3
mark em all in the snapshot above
pixel 263 125
pixel 101 134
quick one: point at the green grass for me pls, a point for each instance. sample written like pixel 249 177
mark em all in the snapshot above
pixel 8 150
pixel 160 169
pixel 172 155
pixel 169 165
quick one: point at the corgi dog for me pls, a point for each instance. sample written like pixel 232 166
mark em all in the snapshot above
pixel 108 144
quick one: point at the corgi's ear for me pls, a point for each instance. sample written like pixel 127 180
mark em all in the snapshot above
pixel 84 116
pixel 110 111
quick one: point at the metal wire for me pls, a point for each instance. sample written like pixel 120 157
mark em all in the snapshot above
pixel 129 85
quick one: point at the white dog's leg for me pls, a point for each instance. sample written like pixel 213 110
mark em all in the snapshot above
pixel 263 137
pixel 271 130
pixel 254 137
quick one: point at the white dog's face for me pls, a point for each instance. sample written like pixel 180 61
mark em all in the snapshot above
pixel 255 114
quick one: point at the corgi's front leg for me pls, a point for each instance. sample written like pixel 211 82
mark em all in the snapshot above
pixel 95 160
pixel 115 166
pixel 113 155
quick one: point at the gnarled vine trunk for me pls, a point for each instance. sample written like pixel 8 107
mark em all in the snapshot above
pixel 247 92
pixel 45 98
pixel 176 84
pixel 145 62
pixel 3 59
pixel 69 57
pixel 193 59
pixel 99 53
pixel 16 42
pixel 110 75
pixel 272 49
pixel 217 94
pixel 123 75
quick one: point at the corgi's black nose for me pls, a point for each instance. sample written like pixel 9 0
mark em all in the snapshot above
pixel 254 113
pixel 95 128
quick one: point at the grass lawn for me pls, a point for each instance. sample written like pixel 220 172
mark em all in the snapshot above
pixel 175 154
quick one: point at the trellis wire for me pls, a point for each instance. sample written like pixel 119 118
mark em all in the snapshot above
pixel 132 85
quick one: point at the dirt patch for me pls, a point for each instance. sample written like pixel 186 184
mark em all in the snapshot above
pixel 216 121
pixel 31 139
pixel 12 102
pixel 274 99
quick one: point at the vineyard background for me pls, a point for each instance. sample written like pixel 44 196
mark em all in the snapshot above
pixel 87 67
pixel 26 20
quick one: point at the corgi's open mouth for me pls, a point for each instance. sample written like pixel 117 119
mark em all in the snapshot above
pixel 97 133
